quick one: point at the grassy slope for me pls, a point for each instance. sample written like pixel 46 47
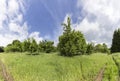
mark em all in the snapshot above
pixel 111 71
pixel 51 67
pixel 1 79
pixel 116 58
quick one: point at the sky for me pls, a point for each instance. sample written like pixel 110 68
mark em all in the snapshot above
pixel 41 19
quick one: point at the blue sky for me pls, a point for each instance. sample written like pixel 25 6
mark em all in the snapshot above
pixel 45 16
pixel 41 19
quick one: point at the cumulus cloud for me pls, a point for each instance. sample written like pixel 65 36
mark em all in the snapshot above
pixel 12 24
pixel 86 26
pixel 36 36
pixel 102 18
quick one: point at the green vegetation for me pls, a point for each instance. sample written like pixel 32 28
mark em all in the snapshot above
pixel 1 78
pixel 46 46
pixel 1 49
pixel 71 42
pixel 101 48
pixel 30 45
pixel 30 61
pixel 52 67
pixel 111 71
pixel 90 48
pixel 14 47
pixel 116 41
pixel 33 46
pixel 116 58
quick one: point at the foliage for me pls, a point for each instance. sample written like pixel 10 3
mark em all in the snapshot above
pixel 46 46
pixel 1 49
pixel 17 44
pixel 26 45
pixel 33 46
pixel 116 59
pixel 101 48
pixel 71 42
pixel 90 48
pixel 111 72
pixel 105 49
pixel 14 47
pixel 116 41
pixel 30 45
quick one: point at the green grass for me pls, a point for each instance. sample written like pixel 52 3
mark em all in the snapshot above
pixel 111 71
pixel 116 58
pixel 52 67
pixel 1 78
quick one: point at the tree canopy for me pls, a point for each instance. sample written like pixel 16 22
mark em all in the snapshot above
pixel 30 45
pixel 116 41
pixel 71 42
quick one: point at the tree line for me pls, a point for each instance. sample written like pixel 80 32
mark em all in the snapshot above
pixel 30 45
pixel 71 43
pixel 74 43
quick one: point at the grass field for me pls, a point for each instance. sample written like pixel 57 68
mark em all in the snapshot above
pixel 116 58
pixel 52 67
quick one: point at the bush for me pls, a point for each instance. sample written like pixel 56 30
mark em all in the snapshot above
pixel 101 48
pixel 1 49
pixel 46 46
pixel 33 46
pixel 71 42
pixel 12 49
pixel 90 48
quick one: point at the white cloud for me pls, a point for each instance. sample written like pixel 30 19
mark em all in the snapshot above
pixel 13 7
pixel 101 20
pixel 109 8
pixel 36 36
pixel 86 26
pixel 12 24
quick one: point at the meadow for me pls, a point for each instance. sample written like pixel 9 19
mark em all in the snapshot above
pixel 53 67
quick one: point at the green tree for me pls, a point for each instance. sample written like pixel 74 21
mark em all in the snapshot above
pixel 116 41
pixel 14 47
pixel 90 48
pixel 1 49
pixel 33 46
pixel 98 48
pixel 18 45
pixel 46 46
pixel 101 48
pixel 26 45
pixel 67 27
pixel 71 42
pixel 105 49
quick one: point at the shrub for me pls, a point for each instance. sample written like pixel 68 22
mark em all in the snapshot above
pixel 1 49
pixel 46 46
pixel 12 49
pixel 71 42
pixel 90 48
pixel 101 48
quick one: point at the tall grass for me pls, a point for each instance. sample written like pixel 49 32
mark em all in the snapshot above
pixel 1 78
pixel 116 58
pixel 52 67
pixel 111 71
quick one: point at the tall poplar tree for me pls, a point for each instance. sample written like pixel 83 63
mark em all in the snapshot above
pixel 116 41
